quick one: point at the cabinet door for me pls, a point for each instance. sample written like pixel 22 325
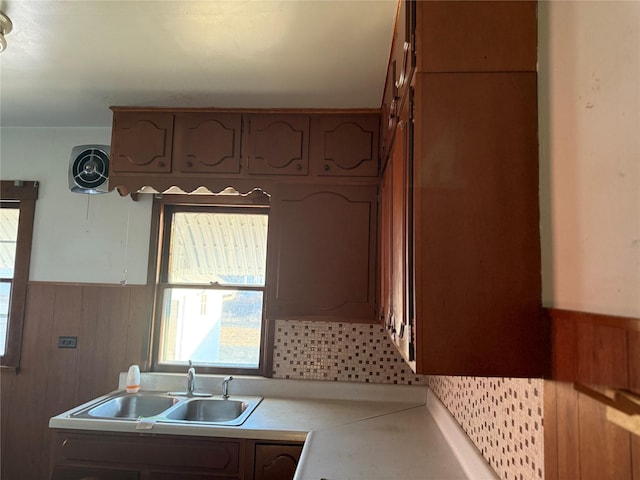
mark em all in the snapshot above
pixel 345 145
pixel 277 144
pixel 477 239
pixel 322 252
pixel 141 142
pixel 163 453
pixel 385 205
pixel 389 113
pixel 400 325
pixel 276 462
pixel 207 143
pixel 476 36
pixel 403 49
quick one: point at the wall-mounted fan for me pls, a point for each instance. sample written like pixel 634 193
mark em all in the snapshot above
pixel 89 169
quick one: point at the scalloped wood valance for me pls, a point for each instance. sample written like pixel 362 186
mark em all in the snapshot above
pixel 195 185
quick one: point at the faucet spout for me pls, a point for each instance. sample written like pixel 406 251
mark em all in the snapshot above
pixel 225 386
pixel 191 379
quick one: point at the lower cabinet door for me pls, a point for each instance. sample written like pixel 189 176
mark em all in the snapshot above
pixel 88 473
pixel 276 462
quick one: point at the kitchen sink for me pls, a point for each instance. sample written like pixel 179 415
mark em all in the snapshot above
pixel 163 408
pixel 209 410
pixel 133 406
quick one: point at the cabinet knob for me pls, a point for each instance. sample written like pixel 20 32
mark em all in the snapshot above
pixel 189 164
pixel 326 167
pixel 161 163
pixel 298 167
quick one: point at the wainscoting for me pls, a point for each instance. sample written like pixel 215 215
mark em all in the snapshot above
pixel 601 352
pixel 111 324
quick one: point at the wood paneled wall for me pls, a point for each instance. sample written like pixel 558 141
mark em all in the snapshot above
pixel 602 352
pixel 112 326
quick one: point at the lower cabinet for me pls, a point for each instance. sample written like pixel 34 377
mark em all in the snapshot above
pixel 125 456
pixel 275 461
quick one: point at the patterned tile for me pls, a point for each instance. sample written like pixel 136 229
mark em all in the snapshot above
pixel 502 416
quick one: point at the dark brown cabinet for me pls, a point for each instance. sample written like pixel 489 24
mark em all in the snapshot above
pixel 277 144
pixel 476 36
pixel 86 473
pixel 476 237
pixel 399 72
pixel 123 456
pixel 80 455
pixel 322 244
pixel 207 143
pixel 460 238
pixel 345 145
pixel 142 142
pixel 188 148
pixel 276 462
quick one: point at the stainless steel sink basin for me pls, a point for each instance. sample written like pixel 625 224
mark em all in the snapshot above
pixel 163 408
pixel 133 406
pixel 209 410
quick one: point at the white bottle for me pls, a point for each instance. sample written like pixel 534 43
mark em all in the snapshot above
pixel 133 379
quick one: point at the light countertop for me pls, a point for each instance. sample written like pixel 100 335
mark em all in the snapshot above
pixel 351 431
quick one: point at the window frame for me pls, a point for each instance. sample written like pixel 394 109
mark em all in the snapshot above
pixel 24 194
pixel 158 254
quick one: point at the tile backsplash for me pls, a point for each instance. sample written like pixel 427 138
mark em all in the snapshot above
pixel 502 416
pixel 349 352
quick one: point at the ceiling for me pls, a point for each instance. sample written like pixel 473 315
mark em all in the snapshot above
pixel 68 61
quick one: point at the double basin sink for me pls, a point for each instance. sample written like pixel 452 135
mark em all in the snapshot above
pixel 164 408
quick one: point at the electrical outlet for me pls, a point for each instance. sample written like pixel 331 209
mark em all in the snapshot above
pixel 67 342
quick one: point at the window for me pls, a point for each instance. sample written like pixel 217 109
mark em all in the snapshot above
pixel 17 208
pixel 211 288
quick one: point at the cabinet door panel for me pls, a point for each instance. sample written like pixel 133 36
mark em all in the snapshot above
pixel 476 36
pixel 207 143
pixel 219 456
pixel 403 49
pixel 385 236
pixel 400 328
pixel 276 462
pixel 477 253
pixel 142 142
pixel 323 251
pixel 345 146
pixel 277 144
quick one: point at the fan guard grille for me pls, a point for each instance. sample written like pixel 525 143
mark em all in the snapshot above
pixel 90 168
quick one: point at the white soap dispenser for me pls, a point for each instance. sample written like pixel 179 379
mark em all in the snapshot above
pixel 133 379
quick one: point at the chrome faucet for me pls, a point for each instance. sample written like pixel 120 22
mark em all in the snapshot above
pixel 191 385
pixel 191 379
pixel 225 386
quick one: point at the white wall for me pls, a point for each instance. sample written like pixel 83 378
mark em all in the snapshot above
pixel 589 55
pixel 77 237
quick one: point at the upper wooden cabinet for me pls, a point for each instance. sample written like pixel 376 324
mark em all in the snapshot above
pixel 345 145
pixel 476 36
pixel 395 304
pixel 277 144
pixel 196 147
pixel 476 225
pixel 322 252
pixel 142 142
pixel 459 238
pixel 400 71
pixel 207 143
